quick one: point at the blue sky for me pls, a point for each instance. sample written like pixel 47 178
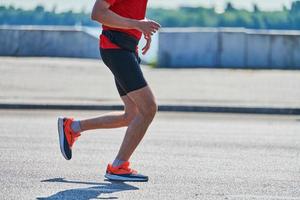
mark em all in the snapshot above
pixel 87 4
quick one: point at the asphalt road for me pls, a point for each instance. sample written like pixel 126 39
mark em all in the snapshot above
pixel 86 82
pixel 187 156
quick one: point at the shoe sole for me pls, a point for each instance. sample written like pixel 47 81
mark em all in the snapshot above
pixel 113 177
pixel 62 138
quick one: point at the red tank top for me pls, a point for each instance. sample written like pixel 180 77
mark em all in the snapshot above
pixel 133 9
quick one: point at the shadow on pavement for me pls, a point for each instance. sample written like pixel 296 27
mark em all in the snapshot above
pixel 87 193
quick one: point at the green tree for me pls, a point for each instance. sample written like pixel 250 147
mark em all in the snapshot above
pixel 256 8
pixel 295 7
pixel 287 18
pixel 39 9
pixel 229 7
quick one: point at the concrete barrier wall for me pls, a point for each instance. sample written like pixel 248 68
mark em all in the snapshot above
pixel 234 48
pixel 186 51
pixel 47 41
pixel 183 47
pixel 258 51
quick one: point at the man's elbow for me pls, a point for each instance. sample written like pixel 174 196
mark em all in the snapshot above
pixel 94 16
pixel 98 16
pixel 99 10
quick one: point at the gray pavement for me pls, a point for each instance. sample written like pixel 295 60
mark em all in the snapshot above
pixel 89 82
pixel 187 156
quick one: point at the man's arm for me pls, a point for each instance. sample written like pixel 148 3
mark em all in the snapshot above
pixel 101 13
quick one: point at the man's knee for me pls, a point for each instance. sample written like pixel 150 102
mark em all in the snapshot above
pixel 149 110
pixel 145 102
pixel 129 115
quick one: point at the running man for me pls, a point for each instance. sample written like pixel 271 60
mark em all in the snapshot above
pixel 123 23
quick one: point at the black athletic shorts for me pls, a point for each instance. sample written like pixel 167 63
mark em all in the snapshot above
pixel 125 66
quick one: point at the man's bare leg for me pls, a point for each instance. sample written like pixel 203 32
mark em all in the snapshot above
pixel 114 119
pixel 145 102
pixel 140 109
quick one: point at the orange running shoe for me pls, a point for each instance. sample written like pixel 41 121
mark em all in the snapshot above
pixel 124 173
pixel 67 136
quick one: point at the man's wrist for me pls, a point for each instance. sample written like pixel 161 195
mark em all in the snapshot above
pixel 133 24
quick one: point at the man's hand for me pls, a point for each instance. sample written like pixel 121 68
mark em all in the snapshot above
pixel 148 44
pixel 147 27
